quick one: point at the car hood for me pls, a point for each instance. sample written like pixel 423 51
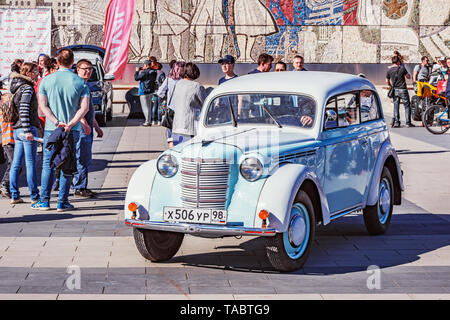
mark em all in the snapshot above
pixel 266 141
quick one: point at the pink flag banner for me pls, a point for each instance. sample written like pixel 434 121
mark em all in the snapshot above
pixel 116 38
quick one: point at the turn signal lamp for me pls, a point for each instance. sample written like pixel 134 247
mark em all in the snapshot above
pixel 132 207
pixel 263 214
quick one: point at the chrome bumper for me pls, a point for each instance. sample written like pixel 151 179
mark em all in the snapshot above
pixel 200 229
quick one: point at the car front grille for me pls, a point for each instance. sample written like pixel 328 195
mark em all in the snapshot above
pixel 204 183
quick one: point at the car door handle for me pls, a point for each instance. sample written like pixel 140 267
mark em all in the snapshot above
pixel 364 142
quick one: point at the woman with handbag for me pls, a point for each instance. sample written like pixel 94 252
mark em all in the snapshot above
pixel 188 97
pixel 166 91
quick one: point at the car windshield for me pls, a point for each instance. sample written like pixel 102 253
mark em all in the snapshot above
pixel 262 108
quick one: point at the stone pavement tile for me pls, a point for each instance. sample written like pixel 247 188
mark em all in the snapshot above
pixel 374 296
pixel 173 297
pixel 55 262
pixel 169 290
pixel 264 297
pixel 85 288
pixel 133 270
pixel 210 297
pixel 28 296
pixel 217 276
pixel 260 289
pixel 314 290
pixel 119 289
pixel 422 283
pixel 125 261
pixel 127 280
pixel 8 289
pixel 18 253
pixel 101 297
pixel 208 282
pixel 211 290
pixel 39 289
pixel 95 251
pixel 440 296
pixel 24 262
pixel 90 261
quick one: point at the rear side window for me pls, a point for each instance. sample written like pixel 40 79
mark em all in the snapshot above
pixel 351 108
pixel 369 106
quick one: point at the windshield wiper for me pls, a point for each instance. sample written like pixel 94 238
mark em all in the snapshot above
pixel 271 116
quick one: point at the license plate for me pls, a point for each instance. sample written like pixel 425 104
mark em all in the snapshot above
pixel 195 215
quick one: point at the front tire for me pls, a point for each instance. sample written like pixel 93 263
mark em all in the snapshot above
pixel 288 251
pixel 378 217
pixel 436 120
pixel 157 246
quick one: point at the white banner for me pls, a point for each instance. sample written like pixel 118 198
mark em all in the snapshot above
pixel 25 33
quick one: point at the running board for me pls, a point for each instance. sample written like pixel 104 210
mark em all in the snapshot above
pixel 343 213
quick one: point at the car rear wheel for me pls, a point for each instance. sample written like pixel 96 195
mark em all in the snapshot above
pixel 288 251
pixel 156 245
pixel 378 217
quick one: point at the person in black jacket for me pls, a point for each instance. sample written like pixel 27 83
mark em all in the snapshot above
pixel 146 75
pixel 25 129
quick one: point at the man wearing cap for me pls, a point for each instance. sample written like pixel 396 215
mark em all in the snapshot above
pixel 227 63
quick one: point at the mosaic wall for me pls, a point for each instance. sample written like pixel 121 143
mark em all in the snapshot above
pixel 323 31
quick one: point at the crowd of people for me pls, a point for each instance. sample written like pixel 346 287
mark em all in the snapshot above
pixel 53 102
pixel 424 72
pixel 48 103
pixel 160 95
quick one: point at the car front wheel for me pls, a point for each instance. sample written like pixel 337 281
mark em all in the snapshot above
pixel 156 245
pixel 288 251
pixel 378 217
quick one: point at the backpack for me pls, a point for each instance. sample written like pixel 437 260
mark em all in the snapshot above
pixel 8 109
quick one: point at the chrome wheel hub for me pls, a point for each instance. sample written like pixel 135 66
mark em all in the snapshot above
pixel 297 231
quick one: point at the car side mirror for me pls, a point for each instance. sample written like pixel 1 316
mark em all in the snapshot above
pixel 331 115
pixel 109 77
pixel 330 119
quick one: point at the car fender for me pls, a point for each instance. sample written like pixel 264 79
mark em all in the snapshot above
pixel 386 151
pixel 139 189
pixel 279 191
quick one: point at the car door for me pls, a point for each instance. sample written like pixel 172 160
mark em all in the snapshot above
pixel 107 87
pixel 346 154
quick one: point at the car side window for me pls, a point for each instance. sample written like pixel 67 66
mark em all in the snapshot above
pixel 348 109
pixel 369 106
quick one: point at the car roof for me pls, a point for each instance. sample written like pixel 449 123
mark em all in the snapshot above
pixel 318 84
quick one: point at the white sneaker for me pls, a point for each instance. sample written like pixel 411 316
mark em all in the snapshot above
pixel 159 123
pixel 153 123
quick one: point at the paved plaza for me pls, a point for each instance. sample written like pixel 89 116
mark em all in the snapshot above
pixel 41 251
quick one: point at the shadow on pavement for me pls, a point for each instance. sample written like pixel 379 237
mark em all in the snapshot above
pixel 338 247
pixel 50 217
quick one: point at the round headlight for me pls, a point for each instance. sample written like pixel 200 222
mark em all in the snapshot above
pixel 251 169
pixel 167 165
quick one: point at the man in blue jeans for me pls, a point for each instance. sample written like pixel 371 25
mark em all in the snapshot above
pixel 64 99
pixel 395 77
pixel 84 143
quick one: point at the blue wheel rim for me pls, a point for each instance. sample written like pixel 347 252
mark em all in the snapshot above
pixel 296 238
pixel 384 200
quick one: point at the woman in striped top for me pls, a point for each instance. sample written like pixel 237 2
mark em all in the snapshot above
pixel 25 129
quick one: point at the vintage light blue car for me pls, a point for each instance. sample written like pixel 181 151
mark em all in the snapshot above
pixel 276 154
